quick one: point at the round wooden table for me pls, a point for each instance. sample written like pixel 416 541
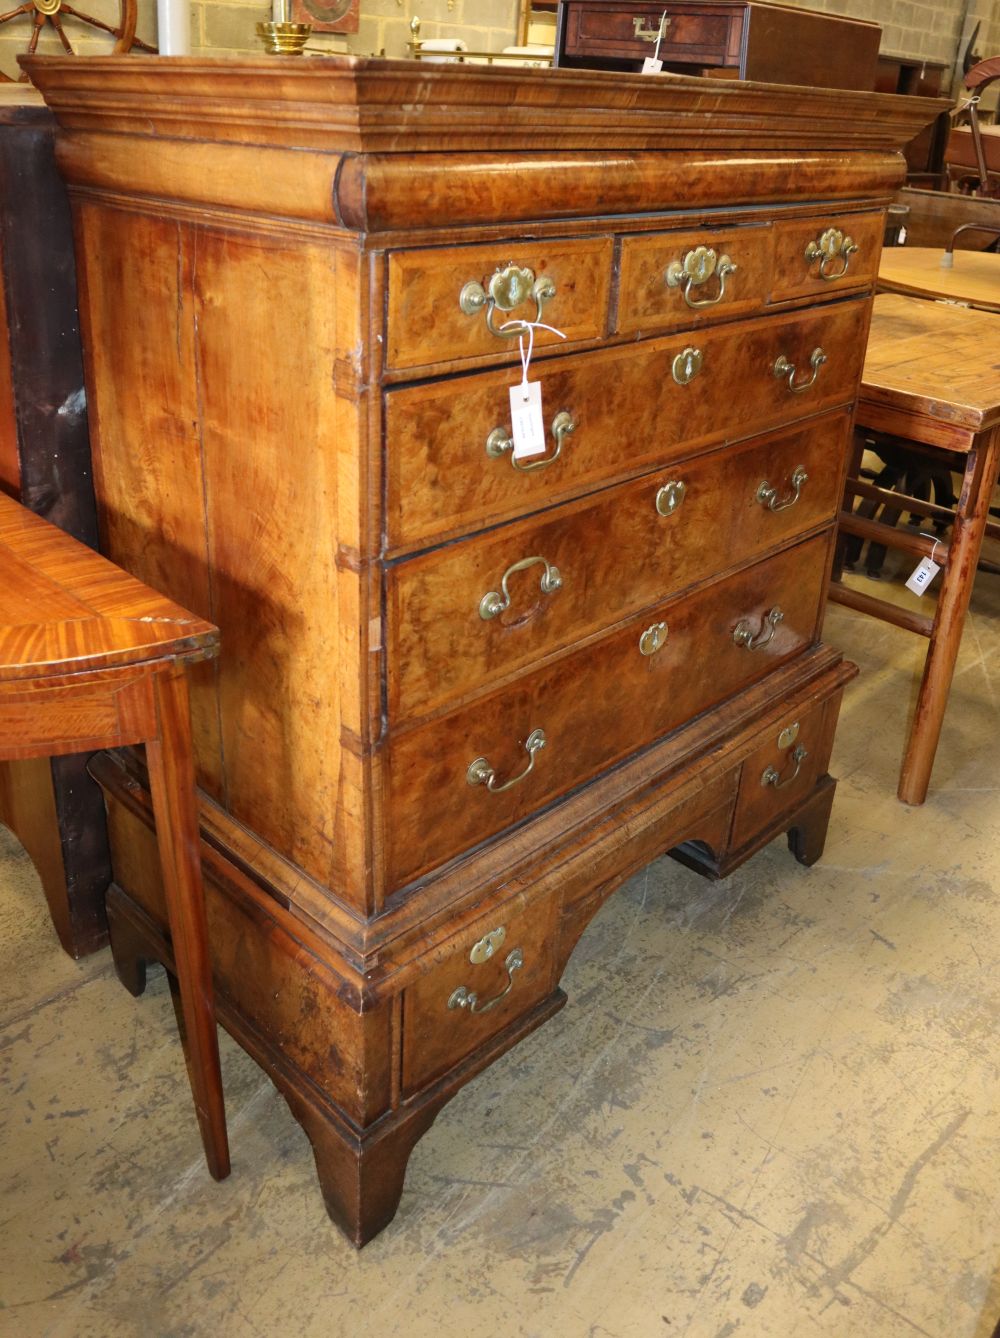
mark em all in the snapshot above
pixel 973 279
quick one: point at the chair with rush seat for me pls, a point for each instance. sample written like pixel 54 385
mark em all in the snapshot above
pixel 90 658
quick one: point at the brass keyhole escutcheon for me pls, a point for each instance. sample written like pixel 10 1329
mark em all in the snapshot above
pixel 670 496
pixel 653 639
pixel 788 736
pixel 483 949
pixel 686 365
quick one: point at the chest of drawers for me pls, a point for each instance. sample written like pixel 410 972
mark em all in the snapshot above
pixel 464 694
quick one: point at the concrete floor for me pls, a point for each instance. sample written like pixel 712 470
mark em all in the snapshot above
pixel 770 1107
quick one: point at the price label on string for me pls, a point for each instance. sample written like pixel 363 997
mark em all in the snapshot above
pixel 527 423
pixel 652 64
pixel 924 572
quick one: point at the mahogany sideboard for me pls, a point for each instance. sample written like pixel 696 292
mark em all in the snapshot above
pixel 50 803
pixel 464 694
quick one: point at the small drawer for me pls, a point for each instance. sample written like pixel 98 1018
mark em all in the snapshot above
pixel 700 34
pixel 783 770
pixel 491 605
pixel 824 256
pixel 679 279
pixel 458 780
pixel 447 305
pixel 615 413
pixel 492 974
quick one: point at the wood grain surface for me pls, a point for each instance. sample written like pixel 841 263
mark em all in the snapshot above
pixel 973 278
pixel 628 409
pixel 595 707
pixel 65 609
pixel 444 649
pixel 357 104
pixel 924 359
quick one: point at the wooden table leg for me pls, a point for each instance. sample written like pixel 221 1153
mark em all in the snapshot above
pixel 171 777
pixel 953 602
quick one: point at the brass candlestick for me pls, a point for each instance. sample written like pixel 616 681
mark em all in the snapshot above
pixel 284 39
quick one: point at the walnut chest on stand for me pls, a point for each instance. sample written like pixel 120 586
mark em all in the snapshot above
pixel 464 692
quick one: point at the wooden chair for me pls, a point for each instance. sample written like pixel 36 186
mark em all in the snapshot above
pixel 90 658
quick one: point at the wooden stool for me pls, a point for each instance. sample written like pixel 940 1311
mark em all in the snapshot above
pixel 89 659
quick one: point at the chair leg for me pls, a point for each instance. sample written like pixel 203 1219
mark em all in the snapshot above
pixel 171 777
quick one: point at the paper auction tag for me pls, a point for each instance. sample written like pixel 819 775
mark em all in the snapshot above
pixel 652 64
pixel 922 575
pixel 526 421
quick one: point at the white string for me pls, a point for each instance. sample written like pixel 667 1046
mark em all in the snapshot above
pixel 531 327
pixel 659 35
pixel 937 541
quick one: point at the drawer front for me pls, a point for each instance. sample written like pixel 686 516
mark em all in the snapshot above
pixel 494 973
pixel 783 770
pixel 445 303
pixel 594 707
pixel 701 34
pixel 592 564
pixel 814 257
pixel 447 474
pixel 684 278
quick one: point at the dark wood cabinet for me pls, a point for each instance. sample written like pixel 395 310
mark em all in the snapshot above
pixel 919 78
pixel 739 38
pixel 52 805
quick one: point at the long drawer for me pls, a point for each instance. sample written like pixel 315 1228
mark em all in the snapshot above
pixel 614 413
pixel 456 781
pixel 480 610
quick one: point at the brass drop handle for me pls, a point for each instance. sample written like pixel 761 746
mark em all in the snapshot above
pixel 481 773
pixel 697 268
pixel 830 246
pixel 670 496
pixel 509 286
pixel 496 601
pixel 686 365
pixel 784 368
pixel 767 494
pixel 469 999
pixel 499 442
pixel 772 776
pixel 744 635
pixel 645 34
